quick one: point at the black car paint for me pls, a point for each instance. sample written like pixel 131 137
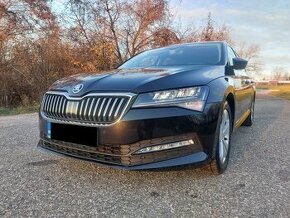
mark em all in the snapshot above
pixel 150 123
pixel 141 80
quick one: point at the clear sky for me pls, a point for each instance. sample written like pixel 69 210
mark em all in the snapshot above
pixel 263 22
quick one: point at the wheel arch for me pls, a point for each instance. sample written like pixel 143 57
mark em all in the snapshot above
pixel 231 101
pixel 222 90
pixel 229 96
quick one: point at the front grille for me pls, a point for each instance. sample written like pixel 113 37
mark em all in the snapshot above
pixel 95 109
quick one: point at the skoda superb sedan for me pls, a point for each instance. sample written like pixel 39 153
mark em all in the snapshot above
pixel 164 107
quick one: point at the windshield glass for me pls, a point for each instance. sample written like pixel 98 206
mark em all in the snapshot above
pixel 191 54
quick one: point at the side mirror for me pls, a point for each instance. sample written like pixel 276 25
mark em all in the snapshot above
pixel 239 63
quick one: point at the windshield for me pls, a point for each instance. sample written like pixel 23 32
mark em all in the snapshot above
pixel 191 54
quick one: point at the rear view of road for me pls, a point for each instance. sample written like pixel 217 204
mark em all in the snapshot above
pixel 256 184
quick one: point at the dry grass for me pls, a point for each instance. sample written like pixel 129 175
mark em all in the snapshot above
pixel 281 91
pixel 18 110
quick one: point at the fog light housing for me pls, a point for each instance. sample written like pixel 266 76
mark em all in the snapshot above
pixel 165 146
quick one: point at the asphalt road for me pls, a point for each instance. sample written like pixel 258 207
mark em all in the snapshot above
pixel 256 184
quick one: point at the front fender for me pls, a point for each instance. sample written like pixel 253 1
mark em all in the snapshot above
pixel 219 90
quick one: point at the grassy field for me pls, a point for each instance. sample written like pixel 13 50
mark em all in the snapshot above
pixel 281 91
pixel 19 110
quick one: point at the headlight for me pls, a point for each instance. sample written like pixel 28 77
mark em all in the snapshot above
pixel 192 98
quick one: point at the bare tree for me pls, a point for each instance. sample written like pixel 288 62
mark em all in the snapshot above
pixel 286 75
pixel 37 46
pixel 130 26
pixel 21 21
pixel 279 73
pixel 213 32
pixel 250 52
pixel 164 37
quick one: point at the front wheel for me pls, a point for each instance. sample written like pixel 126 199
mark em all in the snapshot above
pixel 220 162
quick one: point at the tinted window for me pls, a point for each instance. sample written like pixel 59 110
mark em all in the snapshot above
pixel 193 54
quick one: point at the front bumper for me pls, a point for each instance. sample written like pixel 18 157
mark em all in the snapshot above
pixel 124 162
pixel 139 128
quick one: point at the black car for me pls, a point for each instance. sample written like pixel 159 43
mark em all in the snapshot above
pixel 164 107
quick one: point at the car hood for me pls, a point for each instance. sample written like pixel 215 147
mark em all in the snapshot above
pixel 140 80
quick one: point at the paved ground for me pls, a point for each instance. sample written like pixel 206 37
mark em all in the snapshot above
pixel 256 184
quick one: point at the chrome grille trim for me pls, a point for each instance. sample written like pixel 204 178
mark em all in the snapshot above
pixel 118 108
pixel 94 109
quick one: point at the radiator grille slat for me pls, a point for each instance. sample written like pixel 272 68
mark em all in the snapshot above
pixel 118 108
pixel 56 105
pixel 86 107
pixel 99 109
pixel 47 103
pixel 106 110
pixel 111 110
pixel 44 104
pixel 63 115
pixel 95 110
pixel 60 106
pixel 50 105
pixel 80 111
pixel 91 107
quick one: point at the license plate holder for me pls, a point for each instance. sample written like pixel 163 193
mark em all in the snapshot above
pixel 75 134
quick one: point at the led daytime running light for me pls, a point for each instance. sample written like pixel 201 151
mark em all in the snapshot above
pixel 176 94
pixel 165 146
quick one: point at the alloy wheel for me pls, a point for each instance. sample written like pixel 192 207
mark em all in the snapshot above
pixel 224 136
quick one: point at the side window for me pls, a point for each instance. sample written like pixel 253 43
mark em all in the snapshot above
pixel 231 55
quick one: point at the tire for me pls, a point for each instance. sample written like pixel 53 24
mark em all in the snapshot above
pixel 250 119
pixel 221 158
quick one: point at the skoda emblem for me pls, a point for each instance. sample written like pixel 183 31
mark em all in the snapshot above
pixel 77 88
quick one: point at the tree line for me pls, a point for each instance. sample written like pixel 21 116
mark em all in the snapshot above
pixel 40 44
